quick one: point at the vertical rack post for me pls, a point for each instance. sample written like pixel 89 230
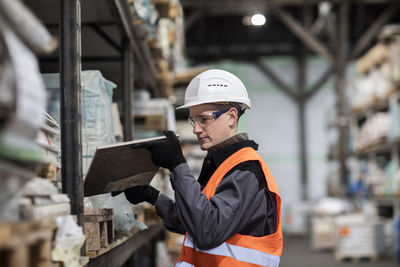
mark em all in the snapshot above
pixel 341 59
pixel 127 87
pixel 302 102
pixel 70 93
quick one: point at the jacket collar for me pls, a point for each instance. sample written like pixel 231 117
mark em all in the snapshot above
pixel 219 153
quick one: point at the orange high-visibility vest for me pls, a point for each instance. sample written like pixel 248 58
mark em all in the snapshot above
pixel 239 250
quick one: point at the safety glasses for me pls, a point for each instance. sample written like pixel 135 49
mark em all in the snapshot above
pixel 205 120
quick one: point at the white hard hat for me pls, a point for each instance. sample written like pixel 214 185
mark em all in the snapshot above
pixel 215 86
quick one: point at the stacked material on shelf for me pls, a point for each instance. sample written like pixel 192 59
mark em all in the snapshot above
pixel 154 115
pixel 97 121
pixel 167 45
pixel 375 56
pixel 394 59
pixel 145 15
pixel 373 131
pixel 378 177
pixel 390 35
pixel 370 89
pixel 375 176
pixel 13 177
pixel 394 111
pixel 22 99
pixel 297 218
pixel 41 200
pixel 358 236
pixel 48 138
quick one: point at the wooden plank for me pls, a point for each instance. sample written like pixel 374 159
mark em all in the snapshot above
pixel 120 166
pixel 92 233
pixel 302 33
pixel 98 218
pixel 103 234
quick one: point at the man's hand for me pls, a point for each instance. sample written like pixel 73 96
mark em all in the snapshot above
pixel 138 194
pixel 167 153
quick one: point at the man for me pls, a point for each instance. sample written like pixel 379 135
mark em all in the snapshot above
pixel 231 214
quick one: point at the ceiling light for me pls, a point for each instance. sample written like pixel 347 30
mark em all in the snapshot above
pixel 258 20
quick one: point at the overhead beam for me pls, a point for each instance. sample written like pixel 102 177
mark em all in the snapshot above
pixel 197 3
pixel 366 38
pixel 106 37
pixel 302 33
pixel 276 80
pixel 320 82
pixel 192 19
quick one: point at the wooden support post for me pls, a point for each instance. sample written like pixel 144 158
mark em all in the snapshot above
pixel 303 34
pixel 127 89
pixel 71 115
pixel 340 85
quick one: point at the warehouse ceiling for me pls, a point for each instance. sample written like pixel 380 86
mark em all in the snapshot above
pixel 215 28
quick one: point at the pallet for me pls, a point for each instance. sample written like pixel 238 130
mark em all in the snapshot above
pixel 99 230
pixel 358 258
pixel 25 244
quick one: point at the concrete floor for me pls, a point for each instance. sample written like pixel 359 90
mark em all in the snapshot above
pixel 296 252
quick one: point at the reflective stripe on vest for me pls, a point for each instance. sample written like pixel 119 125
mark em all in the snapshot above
pixel 239 253
pixel 183 264
pixel 239 250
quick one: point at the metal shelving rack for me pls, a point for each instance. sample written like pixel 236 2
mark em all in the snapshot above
pixel 70 61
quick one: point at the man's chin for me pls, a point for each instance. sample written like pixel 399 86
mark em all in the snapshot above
pixel 204 145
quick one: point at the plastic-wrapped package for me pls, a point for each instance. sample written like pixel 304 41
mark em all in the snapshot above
pixel 68 242
pixel 124 219
pixel 97 121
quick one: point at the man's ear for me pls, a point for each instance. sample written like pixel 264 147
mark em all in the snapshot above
pixel 233 117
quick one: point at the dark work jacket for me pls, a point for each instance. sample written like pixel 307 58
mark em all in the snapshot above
pixel 241 204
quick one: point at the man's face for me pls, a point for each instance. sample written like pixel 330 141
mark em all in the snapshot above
pixel 209 130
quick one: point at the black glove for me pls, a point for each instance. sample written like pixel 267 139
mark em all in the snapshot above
pixel 166 153
pixel 138 194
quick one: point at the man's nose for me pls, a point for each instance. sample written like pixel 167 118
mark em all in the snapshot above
pixel 196 128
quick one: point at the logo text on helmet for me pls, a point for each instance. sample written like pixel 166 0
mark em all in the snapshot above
pixel 224 85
